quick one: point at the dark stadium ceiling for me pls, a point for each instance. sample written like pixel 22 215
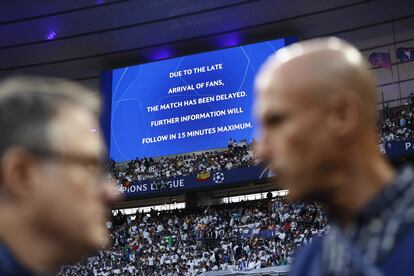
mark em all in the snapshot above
pixel 77 39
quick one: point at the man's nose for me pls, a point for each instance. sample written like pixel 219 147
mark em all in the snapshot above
pixel 262 150
pixel 110 192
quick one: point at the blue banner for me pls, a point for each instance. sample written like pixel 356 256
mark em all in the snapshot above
pixel 264 233
pixel 399 148
pixel 185 183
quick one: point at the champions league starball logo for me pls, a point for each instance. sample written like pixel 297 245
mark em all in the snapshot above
pixel 218 177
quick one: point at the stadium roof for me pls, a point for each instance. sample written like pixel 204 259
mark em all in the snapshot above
pixel 78 39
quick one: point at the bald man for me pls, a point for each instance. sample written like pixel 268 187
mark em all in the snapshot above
pixel 316 101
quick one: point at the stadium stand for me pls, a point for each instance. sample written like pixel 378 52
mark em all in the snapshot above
pixel 397 123
pixel 235 155
pixel 234 237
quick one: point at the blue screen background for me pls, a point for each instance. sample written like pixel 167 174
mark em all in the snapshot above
pixel 134 88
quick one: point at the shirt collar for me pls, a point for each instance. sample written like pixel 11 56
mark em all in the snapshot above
pixel 387 196
pixel 9 265
pixel 377 229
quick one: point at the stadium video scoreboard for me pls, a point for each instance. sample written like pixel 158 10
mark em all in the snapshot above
pixel 183 105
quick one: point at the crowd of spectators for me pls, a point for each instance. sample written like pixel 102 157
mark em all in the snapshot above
pixel 396 123
pixel 189 242
pixel 236 155
pixel 184 242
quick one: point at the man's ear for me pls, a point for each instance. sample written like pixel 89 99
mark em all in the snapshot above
pixel 16 173
pixel 345 115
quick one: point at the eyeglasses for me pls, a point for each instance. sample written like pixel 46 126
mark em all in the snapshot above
pixel 94 165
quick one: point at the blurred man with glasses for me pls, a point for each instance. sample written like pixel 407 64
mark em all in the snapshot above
pixel 54 195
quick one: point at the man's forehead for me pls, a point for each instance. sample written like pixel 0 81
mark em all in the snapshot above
pixel 72 131
pixel 273 99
